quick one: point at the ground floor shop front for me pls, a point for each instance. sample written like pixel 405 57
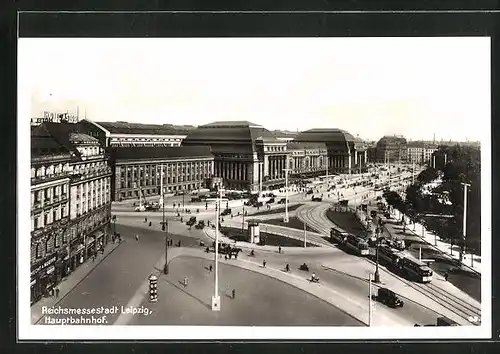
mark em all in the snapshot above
pixel 46 274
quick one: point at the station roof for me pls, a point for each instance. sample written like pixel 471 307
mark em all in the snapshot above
pixel 229 132
pixel 324 135
pixel 44 144
pixel 158 152
pixel 149 129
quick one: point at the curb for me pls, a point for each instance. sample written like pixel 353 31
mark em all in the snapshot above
pixel 79 281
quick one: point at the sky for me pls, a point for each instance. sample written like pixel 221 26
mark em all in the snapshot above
pixel 415 87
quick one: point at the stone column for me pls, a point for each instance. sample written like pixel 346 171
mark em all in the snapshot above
pixel 350 160
pixel 355 157
pixel 265 167
pixel 366 157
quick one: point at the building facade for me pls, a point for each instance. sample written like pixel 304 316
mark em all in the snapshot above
pixel 246 155
pixel 137 171
pixel 392 149
pixel 420 152
pixel 70 217
pixel 307 158
pixel 50 178
pixel 124 134
pixel 345 154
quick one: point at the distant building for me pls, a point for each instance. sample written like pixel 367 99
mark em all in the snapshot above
pixel 392 149
pixel 124 134
pixel 307 159
pixel 137 170
pixel 71 203
pixel 420 152
pixel 284 135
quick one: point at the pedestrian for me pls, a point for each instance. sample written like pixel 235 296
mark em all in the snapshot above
pixel 210 268
pixel 185 281
pixel 445 276
pixel 234 293
pixel 57 292
pixel 137 237
pixel 102 250
pixel 145 220
pixel 264 263
pixel 94 257
pixel 225 257
pixel 279 249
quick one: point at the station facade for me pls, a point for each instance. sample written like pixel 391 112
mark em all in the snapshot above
pixel 137 171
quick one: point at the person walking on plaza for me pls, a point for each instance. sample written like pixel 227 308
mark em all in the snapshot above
pixel 185 281
pixel 57 292
pixel 137 237
pixel 445 276
pixel 234 293
pixel 210 267
pixel 145 220
pixel 264 263
pixel 279 249
pixel 94 256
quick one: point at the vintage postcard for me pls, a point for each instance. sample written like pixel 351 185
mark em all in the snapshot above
pixel 254 188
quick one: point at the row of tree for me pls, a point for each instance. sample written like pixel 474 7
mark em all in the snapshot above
pixel 455 165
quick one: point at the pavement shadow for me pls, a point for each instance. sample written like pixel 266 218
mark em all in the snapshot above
pixel 183 289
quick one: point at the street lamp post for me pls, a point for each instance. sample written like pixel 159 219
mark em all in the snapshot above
pixel 216 297
pixel 286 219
pixel 377 274
pixel 370 300
pixel 464 227
pixel 164 225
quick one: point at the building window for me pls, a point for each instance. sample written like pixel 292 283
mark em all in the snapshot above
pixel 45 219
pixel 47 245
pixel 54 216
pixel 37 251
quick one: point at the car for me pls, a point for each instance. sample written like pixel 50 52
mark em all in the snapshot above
pixel 316 199
pixel 195 199
pixel 282 201
pixel 389 298
pixel 310 191
pixel 226 212
pixel 270 201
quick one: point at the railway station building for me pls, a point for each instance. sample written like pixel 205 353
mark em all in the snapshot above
pixel 137 171
pixel 343 152
pixel 245 154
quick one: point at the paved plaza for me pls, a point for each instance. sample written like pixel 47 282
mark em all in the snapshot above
pixel 259 301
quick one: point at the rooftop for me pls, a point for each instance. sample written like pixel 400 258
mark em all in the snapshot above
pixel 296 145
pixel 326 135
pixel 121 127
pixel 150 152
pixel 229 132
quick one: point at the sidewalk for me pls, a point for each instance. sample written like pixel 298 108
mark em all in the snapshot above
pixel 471 262
pixel 68 283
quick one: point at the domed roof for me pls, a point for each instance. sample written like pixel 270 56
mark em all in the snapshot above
pixel 324 135
pixel 229 131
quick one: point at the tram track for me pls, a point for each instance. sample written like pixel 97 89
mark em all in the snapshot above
pixel 460 307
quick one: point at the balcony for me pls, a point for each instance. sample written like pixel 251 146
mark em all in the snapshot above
pixel 49 178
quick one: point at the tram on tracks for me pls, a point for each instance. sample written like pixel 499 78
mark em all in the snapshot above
pixel 357 244
pixel 338 235
pixel 415 270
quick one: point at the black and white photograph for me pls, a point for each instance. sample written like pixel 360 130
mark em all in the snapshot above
pixel 254 188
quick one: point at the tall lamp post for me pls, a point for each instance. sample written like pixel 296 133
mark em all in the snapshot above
pixel 261 173
pixel 286 219
pixel 164 224
pixel 377 243
pixel 464 227
pixel 216 297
